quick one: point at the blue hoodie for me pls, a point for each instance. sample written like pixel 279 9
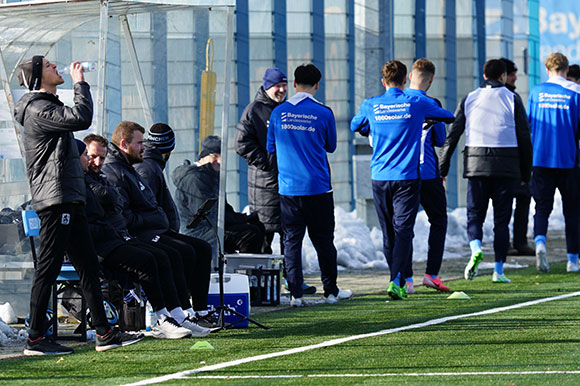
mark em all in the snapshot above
pixel 553 112
pixel 301 131
pixel 395 120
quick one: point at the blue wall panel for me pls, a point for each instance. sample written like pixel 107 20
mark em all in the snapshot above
pixel 451 92
pixel 480 38
pixel 242 42
pixel 351 91
pixel 160 106
pixel 280 36
pixel 420 30
pixel 318 50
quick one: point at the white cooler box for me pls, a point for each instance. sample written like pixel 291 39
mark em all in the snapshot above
pixel 236 296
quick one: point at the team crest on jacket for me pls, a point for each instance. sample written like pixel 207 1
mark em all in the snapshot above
pixel 65 220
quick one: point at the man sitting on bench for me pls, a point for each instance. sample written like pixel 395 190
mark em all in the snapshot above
pixel 200 181
pixel 147 265
pixel 145 220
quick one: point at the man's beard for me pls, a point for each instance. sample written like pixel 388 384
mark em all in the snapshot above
pixel 279 98
pixel 134 158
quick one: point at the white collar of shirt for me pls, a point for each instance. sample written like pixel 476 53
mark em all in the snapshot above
pixel 300 96
pixel 561 81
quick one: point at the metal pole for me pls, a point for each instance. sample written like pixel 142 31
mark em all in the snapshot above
pixel 137 71
pixel 101 71
pixel 225 122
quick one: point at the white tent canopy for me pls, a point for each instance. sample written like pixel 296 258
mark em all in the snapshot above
pixel 32 28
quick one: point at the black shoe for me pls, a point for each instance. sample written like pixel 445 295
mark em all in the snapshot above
pixel 116 338
pixel 208 320
pixel 525 250
pixel 44 346
pixel 308 289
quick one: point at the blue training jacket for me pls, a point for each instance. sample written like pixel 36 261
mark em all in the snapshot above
pixel 301 131
pixel 433 136
pixel 395 121
pixel 553 112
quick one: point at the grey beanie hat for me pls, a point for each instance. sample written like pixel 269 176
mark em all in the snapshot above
pixel 210 145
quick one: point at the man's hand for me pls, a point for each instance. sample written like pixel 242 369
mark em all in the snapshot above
pixel 77 72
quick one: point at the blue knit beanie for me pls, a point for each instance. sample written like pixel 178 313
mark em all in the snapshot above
pixel 273 76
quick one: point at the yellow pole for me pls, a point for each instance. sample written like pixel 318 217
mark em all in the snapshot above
pixel 207 100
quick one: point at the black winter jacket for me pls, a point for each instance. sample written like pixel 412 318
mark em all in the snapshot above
pixel 251 133
pixel 144 218
pixel 151 170
pixel 52 159
pixel 110 200
pixel 105 237
pixel 194 185
pixel 510 162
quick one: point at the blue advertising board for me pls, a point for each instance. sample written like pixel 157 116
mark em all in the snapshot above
pixel 559 30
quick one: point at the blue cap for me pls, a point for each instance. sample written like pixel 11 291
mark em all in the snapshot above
pixel 273 76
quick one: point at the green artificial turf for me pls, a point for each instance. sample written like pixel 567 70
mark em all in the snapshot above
pixel 541 337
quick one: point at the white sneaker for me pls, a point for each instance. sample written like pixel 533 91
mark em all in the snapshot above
pixel 342 294
pixel 168 328
pixel 572 267
pixel 297 302
pixel 497 278
pixel 196 329
pixel 541 260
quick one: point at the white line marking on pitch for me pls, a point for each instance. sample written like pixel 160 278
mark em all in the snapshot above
pixel 382 375
pixel 335 342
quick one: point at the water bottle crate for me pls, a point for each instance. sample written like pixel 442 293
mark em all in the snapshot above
pixel 264 286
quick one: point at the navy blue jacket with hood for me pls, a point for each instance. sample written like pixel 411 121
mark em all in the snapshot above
pixel 144 218
pixel 151 170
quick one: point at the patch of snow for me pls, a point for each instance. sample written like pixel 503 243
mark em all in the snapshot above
pixel 359 247
pixel 491 265
pixel 9 335
pixel 7 313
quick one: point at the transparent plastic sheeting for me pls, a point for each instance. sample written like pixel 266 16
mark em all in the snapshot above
pixel 36 26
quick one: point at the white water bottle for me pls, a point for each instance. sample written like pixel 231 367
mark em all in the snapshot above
pixel 150 317
pixel 87 67
pixel 91 335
